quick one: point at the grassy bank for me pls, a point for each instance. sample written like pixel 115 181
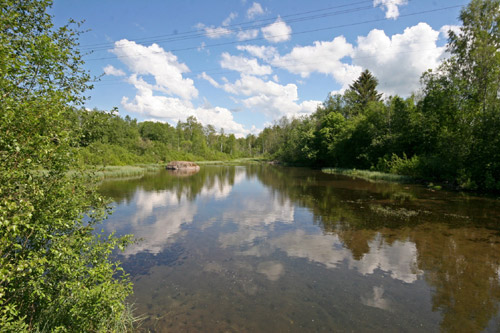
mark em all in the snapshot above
pixel 121 171
pixel 237 161
pixel 370 175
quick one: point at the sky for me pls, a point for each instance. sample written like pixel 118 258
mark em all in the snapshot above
pixel 240 65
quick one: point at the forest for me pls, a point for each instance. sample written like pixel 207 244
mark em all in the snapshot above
pixel 105 138
pixel 447 131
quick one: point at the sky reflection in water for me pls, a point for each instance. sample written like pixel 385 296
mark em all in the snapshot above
pixel 268 248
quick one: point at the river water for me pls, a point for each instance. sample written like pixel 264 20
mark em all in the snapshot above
pixel 262 248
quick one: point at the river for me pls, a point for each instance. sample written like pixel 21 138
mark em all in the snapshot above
pixel 263 248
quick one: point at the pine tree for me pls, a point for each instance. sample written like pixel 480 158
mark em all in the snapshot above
pixel 364 90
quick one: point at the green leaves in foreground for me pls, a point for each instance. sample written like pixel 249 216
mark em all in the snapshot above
pixel 56 274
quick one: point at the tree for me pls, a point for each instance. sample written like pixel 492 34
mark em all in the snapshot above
pixel 364 90
pixel 461 106
pixel 475 63
pixel 55 274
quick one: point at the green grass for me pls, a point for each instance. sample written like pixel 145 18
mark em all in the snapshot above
pixel 126 171
pixel 237 161
pixel 369 175
pixel 113 171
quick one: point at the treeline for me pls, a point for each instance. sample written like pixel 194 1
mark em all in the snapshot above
pixel 450 131
pixel 108 139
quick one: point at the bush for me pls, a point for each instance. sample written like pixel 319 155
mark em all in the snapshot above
pixel 56 275
pixel 404 165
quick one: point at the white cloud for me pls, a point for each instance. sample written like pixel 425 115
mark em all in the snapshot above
pixel 217 32
pixel 266 53
pixel 162 65
pixel 399 61
pixel 202 47
pixel 269 97
pixel 110 70
pixel 255 10
pixel 214 32
pixel 321 57
pixel 207 77
pixel 228 20
pixel 391 6
pixel 247 34
pixel 244 65
pixel 277 32
pixel 174 109
pixel 446 28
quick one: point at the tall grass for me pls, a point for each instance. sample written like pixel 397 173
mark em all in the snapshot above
pixel 369 175
pixel 114 171
pixel 237 161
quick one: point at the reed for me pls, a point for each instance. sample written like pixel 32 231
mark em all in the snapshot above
pixel 114 171
pixel 370 175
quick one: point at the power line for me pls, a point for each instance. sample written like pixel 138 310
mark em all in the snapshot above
pixel 225 31
pixel 247 23
pixel 293 33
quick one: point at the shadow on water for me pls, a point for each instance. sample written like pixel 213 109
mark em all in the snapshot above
pixel 267 248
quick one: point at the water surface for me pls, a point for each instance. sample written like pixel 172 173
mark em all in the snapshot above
pixel 274 249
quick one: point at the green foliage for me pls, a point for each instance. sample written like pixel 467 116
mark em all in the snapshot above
pixel 449 134
pixel 363 91
pixel 404 165
pixel 55 273
pixel 108 139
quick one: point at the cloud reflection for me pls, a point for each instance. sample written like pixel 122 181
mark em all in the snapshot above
pixel 398 259
pixel 376 300
pixel 255 218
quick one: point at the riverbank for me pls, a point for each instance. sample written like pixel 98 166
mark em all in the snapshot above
pixel 376 176
pixel 371 175
pixel 137 170
pixel 124 171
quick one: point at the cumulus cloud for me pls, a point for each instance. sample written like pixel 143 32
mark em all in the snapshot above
pixel 167 72
pixel 213 32
pixel 445 29
pixel 110 70
pixel 266 53
pixel 230 18
pixel 269 97
pixel 277 32
pixel 162 65
pixel 391 7
pixel 244 65
pixel 174 109
pixel 247 34
pixel 321 57
pixel 208 78
pixel 255 10
pixel 399 61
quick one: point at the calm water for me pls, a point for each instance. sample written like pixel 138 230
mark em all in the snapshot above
pixel 273 249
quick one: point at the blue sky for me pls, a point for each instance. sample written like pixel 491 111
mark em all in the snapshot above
pixel 240 65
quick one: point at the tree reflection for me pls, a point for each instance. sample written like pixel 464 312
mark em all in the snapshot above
pixel 457 245
pixel 449 240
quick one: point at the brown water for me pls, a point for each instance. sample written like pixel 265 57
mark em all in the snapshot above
pixel 274 249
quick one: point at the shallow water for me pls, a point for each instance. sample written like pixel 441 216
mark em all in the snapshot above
pixel 274 249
